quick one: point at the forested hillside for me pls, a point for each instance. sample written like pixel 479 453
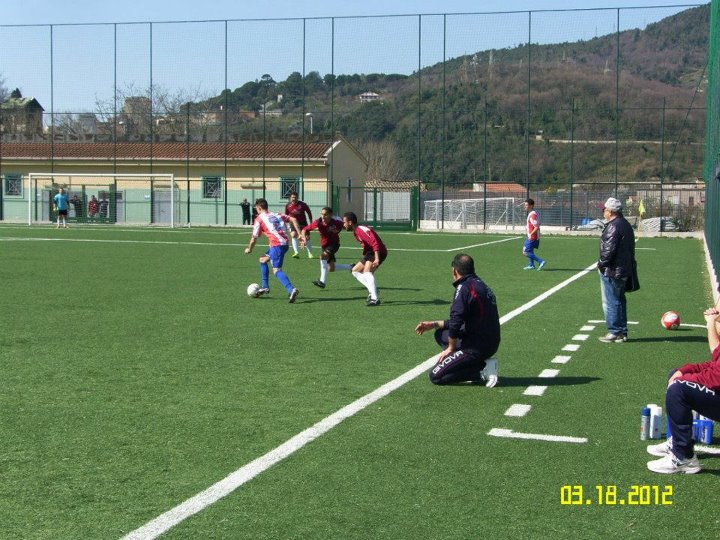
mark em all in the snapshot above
pixel 509 114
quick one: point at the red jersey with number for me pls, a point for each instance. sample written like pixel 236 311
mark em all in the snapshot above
pixel 329 233
pixel 273 226
pixel 369 239
pixel 298 211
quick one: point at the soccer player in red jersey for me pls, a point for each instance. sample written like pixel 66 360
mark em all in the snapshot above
pixel 273 226
pixel 374 253
pixel 329 229
pixel 300 211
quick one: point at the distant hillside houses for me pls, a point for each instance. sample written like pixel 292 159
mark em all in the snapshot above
pixel 21 116
pixel 367 97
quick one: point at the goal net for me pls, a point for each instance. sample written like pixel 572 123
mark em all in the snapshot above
pixel 137 199
pixel 498 212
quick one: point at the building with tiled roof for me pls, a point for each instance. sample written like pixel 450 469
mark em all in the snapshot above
pixel 211 179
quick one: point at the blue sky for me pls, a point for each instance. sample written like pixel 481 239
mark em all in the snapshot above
pixel 85 11
pixel 85 53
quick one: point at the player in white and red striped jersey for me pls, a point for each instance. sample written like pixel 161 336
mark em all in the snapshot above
pixel 298 209
pixel 533 236
pixel 273 227
pixel 329 229
pixel 374 253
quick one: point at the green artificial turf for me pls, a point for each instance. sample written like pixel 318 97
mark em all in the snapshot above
pixel 136 373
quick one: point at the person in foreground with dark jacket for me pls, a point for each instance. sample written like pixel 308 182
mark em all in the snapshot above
pixel 617 252
pixel 472 333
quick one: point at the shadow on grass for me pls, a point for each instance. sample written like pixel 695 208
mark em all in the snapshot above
pixel 674 339
pixel 540 381
pixel 507 382
pixel 546 269
pixel 383 302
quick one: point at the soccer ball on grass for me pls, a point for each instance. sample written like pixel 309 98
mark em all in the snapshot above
pixel 670 320
pixel 252 290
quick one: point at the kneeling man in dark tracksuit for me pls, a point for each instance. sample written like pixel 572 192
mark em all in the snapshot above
pixel 472 333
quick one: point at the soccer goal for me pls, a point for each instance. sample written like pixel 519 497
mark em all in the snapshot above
pixel 133 199
pixel 491 213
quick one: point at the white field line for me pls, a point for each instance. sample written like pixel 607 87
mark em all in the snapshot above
pixel 535 301
pixel 497 432
pixel 549 373
pixel 587 328
pixel 693 325
pixel 234 480
pixel 597 321
pixel 109 241
pixel 535 390
pixel 244 244
pixel 561 359
pixel 580 337
pixel 571 347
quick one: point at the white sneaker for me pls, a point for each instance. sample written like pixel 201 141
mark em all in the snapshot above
pixel 490 372
pixel 670 465
pixel 661 450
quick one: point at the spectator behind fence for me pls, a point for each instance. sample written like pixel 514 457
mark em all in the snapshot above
pixel 93 207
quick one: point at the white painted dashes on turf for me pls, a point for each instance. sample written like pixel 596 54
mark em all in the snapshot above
pixel 233 481
pixel 534 390
pixel 587 328
pixel 508 433
pixel 518 409
pixel 596 321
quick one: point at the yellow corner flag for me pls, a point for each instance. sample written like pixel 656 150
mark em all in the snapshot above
pixel 641 208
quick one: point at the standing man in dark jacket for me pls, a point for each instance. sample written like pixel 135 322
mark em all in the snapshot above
pixel 472 333
pixel 617 253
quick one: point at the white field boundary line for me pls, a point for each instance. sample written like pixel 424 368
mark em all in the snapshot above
pixel 180 243
pixel 210 229
pixel 244 474
pixel 499 432
pixel 108 241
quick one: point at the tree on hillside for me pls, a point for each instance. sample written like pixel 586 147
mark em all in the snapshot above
pixel 384 161
pixel 3 90
pixel 170 112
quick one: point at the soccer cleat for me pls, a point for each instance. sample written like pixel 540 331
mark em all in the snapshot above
pixel 262 291
pixel 293 296
pixel 528 267
pixel 540 267
pixel 319 283
pixel 296 255
pixel 660 450
pixel 623 338
pixel 671 465
pixel 612 338
pixel 310 255
pixel 489 373
pixel 370 302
